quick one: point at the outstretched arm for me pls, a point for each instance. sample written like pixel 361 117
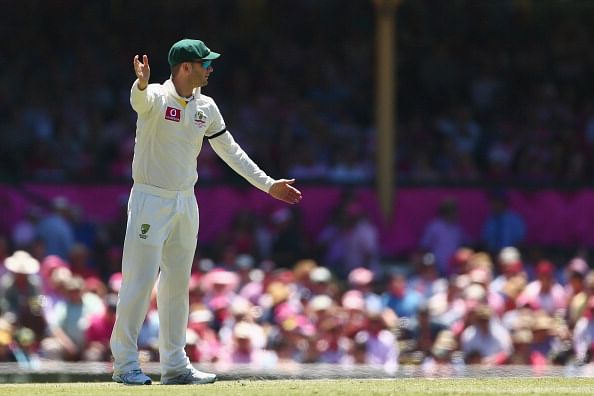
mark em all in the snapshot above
pixel 227 148
pixel 284 191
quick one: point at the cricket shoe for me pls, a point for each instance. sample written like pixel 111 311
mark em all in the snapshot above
pixel 190 377
pixel 134 377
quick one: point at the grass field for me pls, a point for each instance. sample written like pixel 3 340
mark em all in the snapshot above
pixel 400 387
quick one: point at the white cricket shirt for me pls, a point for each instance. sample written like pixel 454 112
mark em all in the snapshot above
pixel 169 134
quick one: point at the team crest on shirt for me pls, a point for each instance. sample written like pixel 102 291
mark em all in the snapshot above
pixel 144 229
pixel 200 118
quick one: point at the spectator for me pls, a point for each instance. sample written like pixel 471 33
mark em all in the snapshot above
pixel 448 306
pixel 80 261
pixel 242 311
pixel 321 308
pixel 510 266
pixel 20 291
pixel 544 292
pixel 348 167
pixel 321 282
pixel 279 303
pixel 287 244
pixel 459 263
pixel 458 127
pixel 99 330
pixel 219 282
pixel 521 340
pixel 330 343
pixel 510 292
pixel 111 263
pixel 302 275
pixel 485 340
pixel 254 289
pixel 96 286
pixel 306 166
pixel 56 290
pixel 578 304
pixel 48 265
pixel 240 237
pixel 294 340
pixel 350 243
pixel 24 232
pixel 71 319
pixel 114 282
pixel 443 235
pixel 542 339
pixel 583 334
pixel 425 277
pixel 361 279
pixel 323 314
pixel 442 360
pixel 382 350
pixel 503 226
pixel 244 264
pixel 56 230
pixel 403 301
pixel 4 253
pixel 242 350
pixel 355 319
pixel 575 289
pixel 207 346
pixel 482 277
pixel 148 337
pixel 84 230
pixel 191 347
pixel 25 349
pixel 6 342
pixel 424 331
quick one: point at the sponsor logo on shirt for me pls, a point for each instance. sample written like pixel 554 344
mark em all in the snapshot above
pixel 172 114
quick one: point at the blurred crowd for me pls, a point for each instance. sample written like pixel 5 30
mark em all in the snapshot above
pixel 488 91
pixel 452 303
pixel 490 310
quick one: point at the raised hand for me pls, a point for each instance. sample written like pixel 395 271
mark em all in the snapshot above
pixel 282 190
pixel 143 71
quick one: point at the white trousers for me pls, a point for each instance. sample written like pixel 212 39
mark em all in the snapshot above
pixel 160 235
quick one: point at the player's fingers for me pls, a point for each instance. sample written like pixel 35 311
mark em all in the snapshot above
pixel 293 191
pixel 293 195
pixel 137 64
pixel 291 201
pixel 145 60
pixel 289 181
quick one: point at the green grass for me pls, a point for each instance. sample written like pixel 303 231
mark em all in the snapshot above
pixel 400 387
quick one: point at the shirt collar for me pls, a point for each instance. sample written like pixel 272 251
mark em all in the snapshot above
pixel 171 90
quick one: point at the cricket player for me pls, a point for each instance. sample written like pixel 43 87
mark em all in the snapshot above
pixel 174 118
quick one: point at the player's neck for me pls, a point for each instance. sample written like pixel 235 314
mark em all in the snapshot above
pixel 183 88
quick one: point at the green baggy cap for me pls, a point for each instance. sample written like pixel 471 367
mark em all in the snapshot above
pixel 189 50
